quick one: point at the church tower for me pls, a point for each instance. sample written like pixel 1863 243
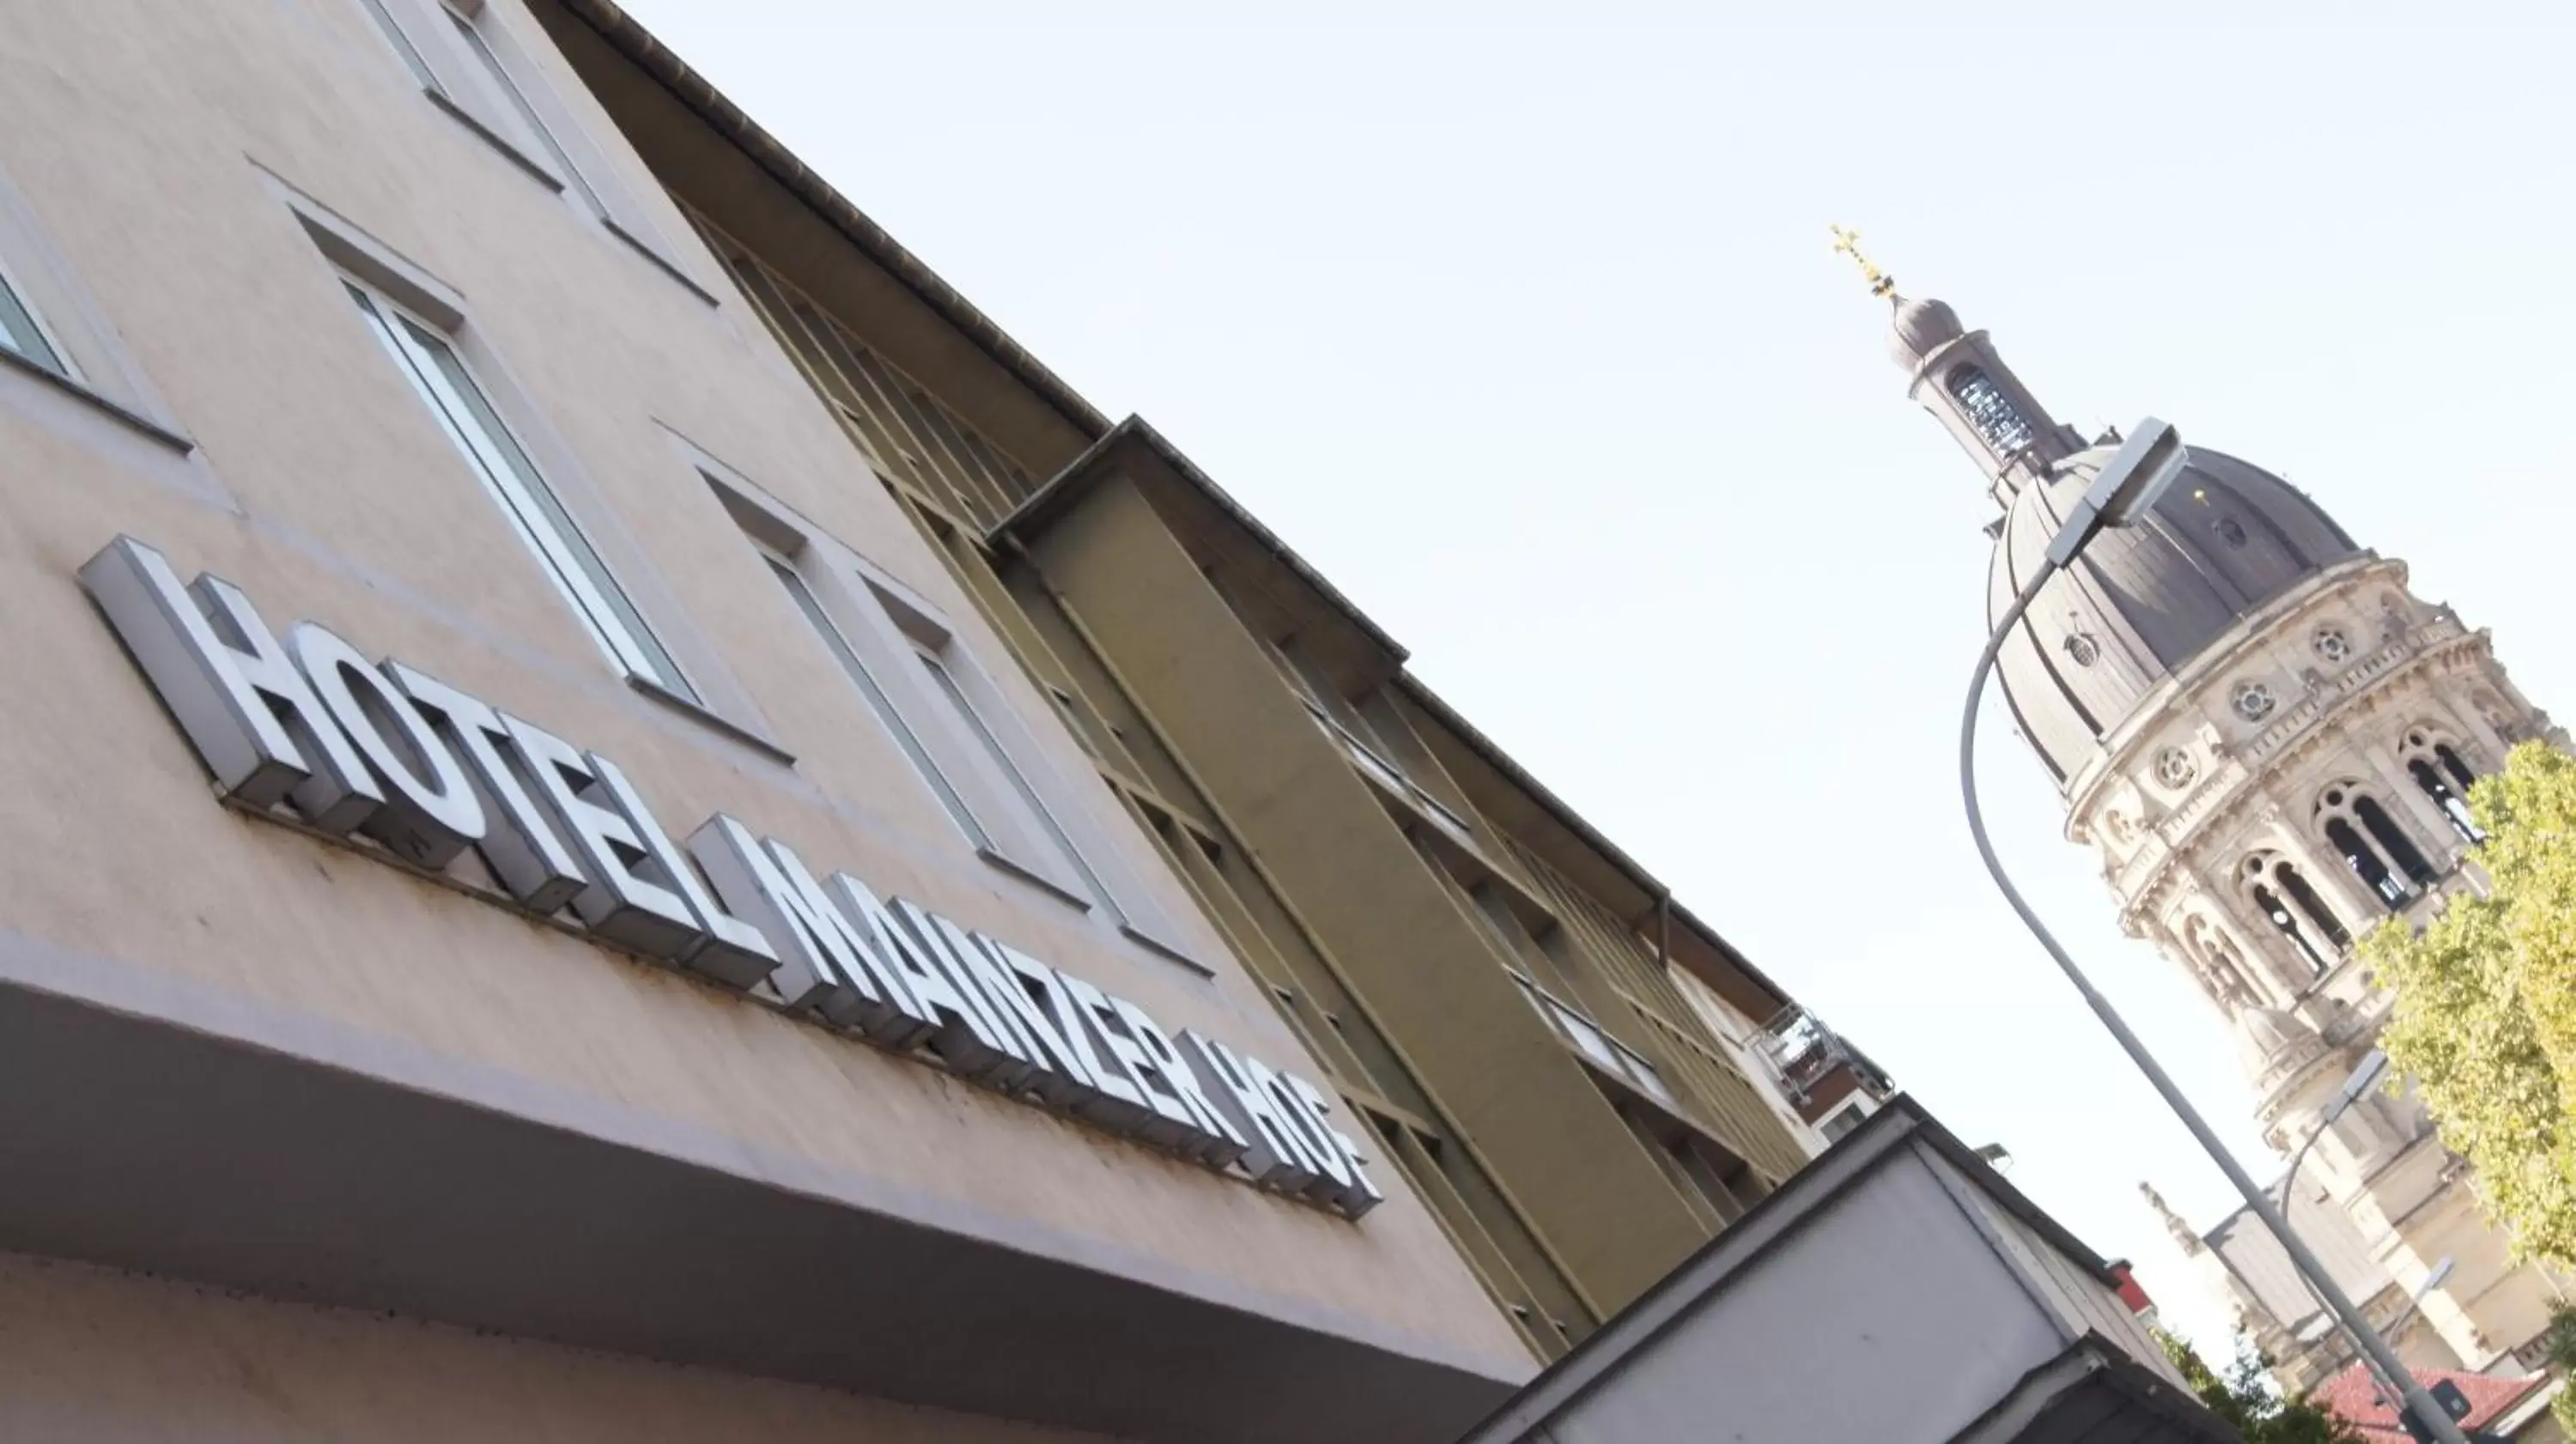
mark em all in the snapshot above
pixel 2267 740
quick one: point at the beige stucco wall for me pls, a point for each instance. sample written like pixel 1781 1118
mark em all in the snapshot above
pixel 139 133
pixel 89 1354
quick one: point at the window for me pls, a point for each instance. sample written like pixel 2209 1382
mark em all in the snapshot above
pixel 20 333
pixel 1568 1021
pixel 472 66
pixel 2365 863
pixel 883 706
pixel 463 410
pixel 946 682
pixel 1363 739
pixel 1989 411
pixel 2369 841
pixel 480 48
pixel 2286 900
pixel 2440 773
pixel 1841 1123
pixel 412 58
pixel 1643 1071
pixel 2392 839
pixel 2252 701
pixel 62 362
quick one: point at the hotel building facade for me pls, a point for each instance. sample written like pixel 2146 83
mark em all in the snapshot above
pixel 562 885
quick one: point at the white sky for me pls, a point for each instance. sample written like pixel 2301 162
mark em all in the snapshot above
pixel 1523 328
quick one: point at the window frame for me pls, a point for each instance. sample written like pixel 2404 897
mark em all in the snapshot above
pixel 531 503
pixel 92 392
pixel 471 63
pixel 57 360
pixel 880 704
pixel 891 632
pixel 948 688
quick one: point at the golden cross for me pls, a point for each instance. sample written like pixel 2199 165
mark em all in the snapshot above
pixel 1847 242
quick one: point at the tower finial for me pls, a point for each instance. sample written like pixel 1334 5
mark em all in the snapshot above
pixel 1847 242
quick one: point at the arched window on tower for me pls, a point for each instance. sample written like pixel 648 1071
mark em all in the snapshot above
pixel 2295 911
pixel 2392 839
pixel 2345 816
pixel 2452 764
pixel 2366 863
pixel 2438 769
pixel 1990 411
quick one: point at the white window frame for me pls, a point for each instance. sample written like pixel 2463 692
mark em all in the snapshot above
pixel 945 685
pixel 976 753
pixel 470 61
pixel 39 347
pixel 86 385
pixel 906 737
pixel 511 477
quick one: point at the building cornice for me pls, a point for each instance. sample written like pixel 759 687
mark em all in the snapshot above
pixel 2117 752
pixel 2230 790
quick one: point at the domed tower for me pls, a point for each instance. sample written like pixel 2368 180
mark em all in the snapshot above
pixel 2267 739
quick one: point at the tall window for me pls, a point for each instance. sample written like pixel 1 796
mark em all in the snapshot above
pixel 2372 844
pixel 883 706
pixel 465 413
pixel 2292 907
pixel 20 333
pixel 468 60
pixel 412 58
pixel 2365 863
pixel 2442 775
pixel 480 47
pixel 1990 411
pixel 2392 839
pixel 946 681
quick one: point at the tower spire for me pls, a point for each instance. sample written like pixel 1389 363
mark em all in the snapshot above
pixel 1881 284
pixel 1955 374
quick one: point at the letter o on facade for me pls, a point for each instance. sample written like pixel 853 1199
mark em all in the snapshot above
pixel 431 812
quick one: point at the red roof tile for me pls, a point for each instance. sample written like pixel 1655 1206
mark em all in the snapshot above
pixel 2354 1396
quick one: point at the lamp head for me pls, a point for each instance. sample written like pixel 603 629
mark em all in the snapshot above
pixel 2365 1076
pixel 2433 1280
pixel 2138 475
pixel 2126 490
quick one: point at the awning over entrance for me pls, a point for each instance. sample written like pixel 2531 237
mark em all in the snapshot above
pixel 1898 1291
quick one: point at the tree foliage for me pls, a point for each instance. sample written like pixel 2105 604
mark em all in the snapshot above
pixel 2485 1014
pixel 2245 1398
pixel 2560 1345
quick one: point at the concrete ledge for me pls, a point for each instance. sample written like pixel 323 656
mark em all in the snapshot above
pixel 155 1124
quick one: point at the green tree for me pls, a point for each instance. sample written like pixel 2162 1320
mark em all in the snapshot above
pixel 2560 1344
pixel 2247 1401
pixel 2485 1014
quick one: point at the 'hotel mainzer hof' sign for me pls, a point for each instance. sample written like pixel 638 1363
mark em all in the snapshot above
pixel 392 754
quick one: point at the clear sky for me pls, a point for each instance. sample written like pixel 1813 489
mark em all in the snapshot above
pixel 1520 323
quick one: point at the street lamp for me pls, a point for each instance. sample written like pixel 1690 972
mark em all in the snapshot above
pixel 2124 491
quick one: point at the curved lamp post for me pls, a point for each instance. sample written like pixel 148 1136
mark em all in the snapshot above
pixel 2126 489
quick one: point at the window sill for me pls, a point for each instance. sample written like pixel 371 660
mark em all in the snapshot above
pixel 1164 950
pixel 1035 879
pixel 697 712
pixel 115 410
pixel 660 262
pixel 484 133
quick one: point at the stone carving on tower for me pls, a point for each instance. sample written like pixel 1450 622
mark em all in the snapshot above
pixel 2267 739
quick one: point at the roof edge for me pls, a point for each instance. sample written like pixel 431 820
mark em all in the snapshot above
pixel 1069 485
pixel 1563 812
pixel 629 38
